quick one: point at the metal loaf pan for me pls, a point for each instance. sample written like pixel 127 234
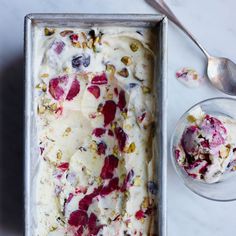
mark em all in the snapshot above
pixel 159 23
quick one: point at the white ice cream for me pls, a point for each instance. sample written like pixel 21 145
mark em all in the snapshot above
pixel 71 104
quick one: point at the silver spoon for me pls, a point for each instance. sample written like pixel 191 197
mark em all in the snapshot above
pixel 221 71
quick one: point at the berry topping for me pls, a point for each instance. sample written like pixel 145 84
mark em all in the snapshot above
pixel 85 202
pixel 74 38
pixel 55 88
pixel 95 90
pixel 121 137
pixel 109 112
pixel 111 162
pixel 122 102
pixel 101 148
pixel 127 181
pixel 77 218
pixel 92 225
pixel 58 46
pixel 74 90
pixel 63 166
pixel 99 79
pixel 98 132
pixel 112 186
pixel 139 215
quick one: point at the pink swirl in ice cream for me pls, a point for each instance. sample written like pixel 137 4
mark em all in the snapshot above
pixel 206 149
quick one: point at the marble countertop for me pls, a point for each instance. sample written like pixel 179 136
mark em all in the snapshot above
pixel 212 22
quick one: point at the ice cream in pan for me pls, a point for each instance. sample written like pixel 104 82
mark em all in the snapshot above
pixel 207 147
pixel 95 116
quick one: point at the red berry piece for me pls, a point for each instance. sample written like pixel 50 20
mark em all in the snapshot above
pixel 92 225
pixel 122 102
pixel 63 166
pixel 99 79
pixel 77 218
pixel 95 90
pixel 71 195
pixel 79 231
pixel 111 162
pixel 112 186
pixel 85 202
pixel 98 132
pixel 121 137
pixel 141 118
pixel 55 88
pixel 74 38
pixel 74 90
pixel 110 132
pixel 109 112
pixel 58 46
pixel 139 215
pixel 116 91
pixel 101 148
pixel 127 181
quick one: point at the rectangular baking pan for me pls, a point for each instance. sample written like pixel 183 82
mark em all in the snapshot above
pixel 159 22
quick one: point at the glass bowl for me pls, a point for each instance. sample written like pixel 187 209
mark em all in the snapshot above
pixel 225 188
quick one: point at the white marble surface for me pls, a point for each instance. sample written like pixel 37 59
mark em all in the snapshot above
pixel 212 21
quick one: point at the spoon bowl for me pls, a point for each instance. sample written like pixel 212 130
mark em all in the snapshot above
pixel 222 74
pixel 221 71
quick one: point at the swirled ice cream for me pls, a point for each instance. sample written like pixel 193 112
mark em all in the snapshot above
pixel 207 149
pixel 95 116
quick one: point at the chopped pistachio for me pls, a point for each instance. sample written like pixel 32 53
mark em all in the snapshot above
pixel 146 89
pixel 48 31
pixel 84 35
pixel 124 114
pixel 46 101
pixel 41 109
pixel 131 148
pixel 59 155
pixel 44 75
pixel 66 32
pixel 128 127
pixel 38 86
pixel 137 181
pixel 224 152
pixel 115 150
pixel 113 126
pixel 145 202
pixel 191 119
pixel 126 60
pixel 134 47
pixel 67 131
pixel 97 39
pixel 110 68
pixel 84 45
pixel 77 44
pixel 52 228
pixel 93 146
pixel 53 107
pixel 66 69
pixel 124 72
pixel 110 96
pixel 98 180
pixel 44 87
pixel 90 43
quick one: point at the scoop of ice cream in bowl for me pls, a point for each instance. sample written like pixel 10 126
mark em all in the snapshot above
pixel 203 148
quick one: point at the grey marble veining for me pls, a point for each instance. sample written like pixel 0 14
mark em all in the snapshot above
pixel 212 21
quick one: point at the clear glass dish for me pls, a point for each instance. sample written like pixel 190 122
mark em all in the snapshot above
pixel 225 189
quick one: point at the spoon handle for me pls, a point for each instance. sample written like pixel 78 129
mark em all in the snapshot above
pixel 165 9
